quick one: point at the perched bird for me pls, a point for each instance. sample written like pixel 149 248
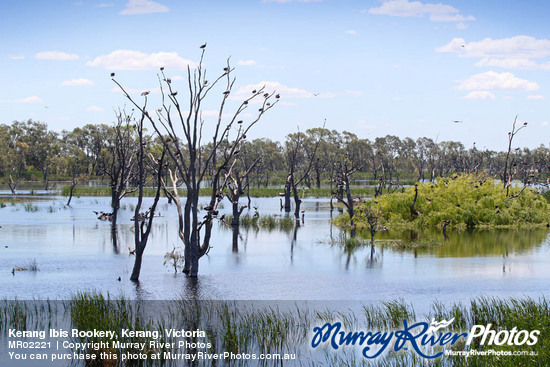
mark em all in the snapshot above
pixel 132 250
pixel 112 75
pixel 240 122
pixel 277 96
pixel 174 94
pixel 203 46
pixel 226 92
pixel 145 93
pixel 254 91
pixel 162 68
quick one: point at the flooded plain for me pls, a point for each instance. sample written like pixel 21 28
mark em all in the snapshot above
pixel 74 251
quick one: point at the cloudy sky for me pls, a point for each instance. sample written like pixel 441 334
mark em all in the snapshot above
pixel 400 67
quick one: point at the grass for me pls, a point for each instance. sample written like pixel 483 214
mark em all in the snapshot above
pixel 464 201
pixel 232 326
pixel 269 222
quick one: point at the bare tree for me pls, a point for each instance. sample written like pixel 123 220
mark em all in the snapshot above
pixel 345 169
pixel 143 222
pixel 300 162
pixel 120 159
pixel 192 167
pixel 510 163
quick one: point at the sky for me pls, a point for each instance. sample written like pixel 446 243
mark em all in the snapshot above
pixel 451 70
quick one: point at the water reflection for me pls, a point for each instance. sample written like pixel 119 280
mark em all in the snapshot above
pixel 75 251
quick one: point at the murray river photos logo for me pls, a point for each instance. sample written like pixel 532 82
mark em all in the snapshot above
pixel 420 337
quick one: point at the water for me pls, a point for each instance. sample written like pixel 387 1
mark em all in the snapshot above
pixel 75 252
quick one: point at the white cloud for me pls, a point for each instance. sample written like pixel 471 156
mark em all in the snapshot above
pixel 480 95
pixel 535 97
pixel 246 62
pixel 95 109
pixel 514 63
pixel 491 80
pixel 282 90
pixel 77 82
pixel 352 32
pixel 31 99
pixel 518 47
pixel 17 57
pixel 56 55
pixel 405 8
pixel 135 60
pixel 143 7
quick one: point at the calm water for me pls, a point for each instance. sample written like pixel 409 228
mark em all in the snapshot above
pixel 75 251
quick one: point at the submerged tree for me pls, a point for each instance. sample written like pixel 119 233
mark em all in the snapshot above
pixel 181 126
pixel 120 160
pixel 143 222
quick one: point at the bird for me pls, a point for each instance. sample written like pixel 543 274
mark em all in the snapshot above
pixel 145 93
pixel 457 121
pixel 226 92
pixel 203 46
pixel 162 68
pixel 315 94
pixel 112 75
pixel 174 94
pixel 240 122
pixel 132 250
pixel 119 279
pixel 254 91
pixel 277 96
pixel 168 80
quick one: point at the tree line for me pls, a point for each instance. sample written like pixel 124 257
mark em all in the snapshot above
pixel 33 152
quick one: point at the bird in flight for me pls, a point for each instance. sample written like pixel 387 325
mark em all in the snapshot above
pixel 457 121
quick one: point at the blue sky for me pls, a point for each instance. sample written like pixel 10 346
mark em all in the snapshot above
pixel 400 67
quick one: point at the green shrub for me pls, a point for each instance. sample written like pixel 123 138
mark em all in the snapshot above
pixel 465 201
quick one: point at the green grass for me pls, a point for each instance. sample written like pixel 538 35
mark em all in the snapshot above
pixel 268 222
pixel 238 327
pixel 465 201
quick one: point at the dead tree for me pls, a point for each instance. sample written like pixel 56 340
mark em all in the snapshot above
pixel 236 185
pixel 299 167
pixel 119 166
pixel 191 166
pixel 344 170
pixel 510 164
pixel 143 222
